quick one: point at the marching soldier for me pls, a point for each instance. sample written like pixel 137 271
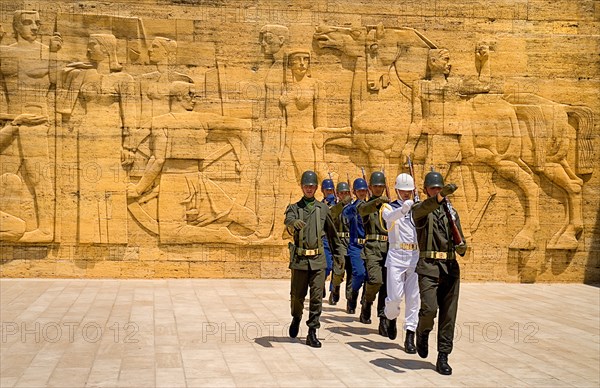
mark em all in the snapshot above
pixel 356 243
pixel 328 190
pixel 307 220
pixel 402 280
pixel 343 232
pixel 437 268
pixel 376 248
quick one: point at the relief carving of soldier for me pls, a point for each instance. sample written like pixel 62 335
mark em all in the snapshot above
pixel 27 71
pixel 98 100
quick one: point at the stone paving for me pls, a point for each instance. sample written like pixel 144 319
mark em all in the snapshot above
pixel 220 333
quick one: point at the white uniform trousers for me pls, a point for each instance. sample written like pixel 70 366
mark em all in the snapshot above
pixel 403 281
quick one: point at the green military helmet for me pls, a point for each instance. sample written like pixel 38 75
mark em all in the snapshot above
pixel 377 179
pixel 343 186
pixel 434 179
pixel 309 178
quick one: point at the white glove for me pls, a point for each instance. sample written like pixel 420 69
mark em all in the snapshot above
pixel 407 205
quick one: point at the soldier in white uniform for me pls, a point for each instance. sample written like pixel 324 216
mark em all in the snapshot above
pixel 402 258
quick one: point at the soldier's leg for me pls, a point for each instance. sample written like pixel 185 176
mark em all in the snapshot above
pixel 348 268
pixel 394 292
pixel 316 280
pixel 411 292
pixel 382 291
pixel 359 272
pixel 374 277
pixel 298 290
pixel 429 303
pixel 448 302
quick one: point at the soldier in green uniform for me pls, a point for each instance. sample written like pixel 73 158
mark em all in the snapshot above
pixel 343 232
pixel 438 269
pixel 376 248
pixel 308 220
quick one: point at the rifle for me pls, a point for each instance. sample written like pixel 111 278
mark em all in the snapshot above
pixel 387 191
pixel 349 185
pixel 456 237
pixel 412 174
pixel 334 190
pixel 365 178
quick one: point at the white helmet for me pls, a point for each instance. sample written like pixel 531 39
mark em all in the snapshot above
pixel 405 182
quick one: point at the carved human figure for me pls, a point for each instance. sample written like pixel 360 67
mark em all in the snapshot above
pixel 98 100
pixel 154 95
pixel 268 121
pixel 488 132
pixel 191 206
pixel 438 116
pixel 305 112
pixel 27 71
pixel 154 86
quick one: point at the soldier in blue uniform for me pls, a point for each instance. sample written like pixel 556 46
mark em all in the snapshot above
pixel 328 190
pixel 343 231
pixel 356 242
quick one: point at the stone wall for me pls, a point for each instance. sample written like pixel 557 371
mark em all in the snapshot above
pixel 164 138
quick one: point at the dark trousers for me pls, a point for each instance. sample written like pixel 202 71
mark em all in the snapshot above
pixel 348 278
pixel 439 293
pixel 358 266
pixel 375 255
pixel 300 283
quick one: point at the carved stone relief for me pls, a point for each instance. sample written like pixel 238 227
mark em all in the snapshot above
pixel 124 130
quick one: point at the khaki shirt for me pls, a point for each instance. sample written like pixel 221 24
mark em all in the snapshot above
pixel 429 216
pixel 310 237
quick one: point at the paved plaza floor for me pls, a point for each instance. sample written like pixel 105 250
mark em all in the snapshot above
pixel 221 333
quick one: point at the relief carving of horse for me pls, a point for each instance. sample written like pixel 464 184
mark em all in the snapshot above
pixel 527 136
pixel 385 62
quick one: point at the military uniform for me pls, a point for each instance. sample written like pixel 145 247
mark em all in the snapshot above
pixel 355 252
pixel 376 248
pixel 329 201
pixel 439 276
pixel 307 258
pixel 339 265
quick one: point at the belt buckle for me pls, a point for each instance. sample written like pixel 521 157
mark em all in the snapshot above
pixel 441 255
pixel 311 252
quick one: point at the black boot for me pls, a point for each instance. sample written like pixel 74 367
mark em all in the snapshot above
pixel 409 342
pixel 442 364
pixel 383 327
pixel 295 327
pixel 423 344
pixel 311 338
pixel 351 303
pixel 334 296
pixel 365 313
pixel 392 329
